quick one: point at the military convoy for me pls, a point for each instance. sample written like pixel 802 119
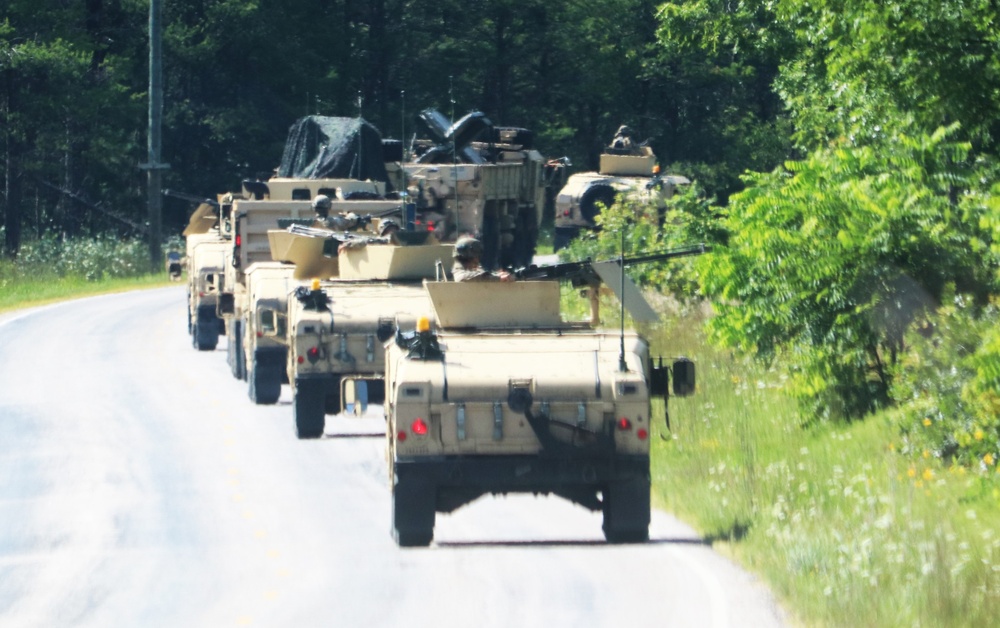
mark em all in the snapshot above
pixel 486 389
pixel 626 170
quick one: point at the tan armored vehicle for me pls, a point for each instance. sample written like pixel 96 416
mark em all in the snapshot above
pixel 258 211
pixel 626 170
pixel 496 393
pixel 337 327
pixel 205 267
pixel 476 179
pixel 264 325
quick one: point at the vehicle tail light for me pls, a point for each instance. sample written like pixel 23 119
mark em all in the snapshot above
pixel 313 355
pixel 239 240
pixel 418 427
pixel 301 359
pixel 401 436
pixel 624 424
pixel 642 433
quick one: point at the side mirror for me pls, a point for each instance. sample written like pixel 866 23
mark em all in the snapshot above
pixel 683 377
pixel 354 392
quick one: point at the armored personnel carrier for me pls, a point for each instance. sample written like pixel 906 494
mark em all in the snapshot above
pixel 495 393
pixel 474 178
pixel 625 170
pixel 336 327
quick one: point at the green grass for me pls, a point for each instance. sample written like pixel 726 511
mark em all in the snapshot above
pixel 846 530
pixel 19 292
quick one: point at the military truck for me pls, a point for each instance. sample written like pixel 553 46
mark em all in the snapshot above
pixel 473 178
pixel 205 267
pixel 337 326
pixel 624 172
pixel 495 393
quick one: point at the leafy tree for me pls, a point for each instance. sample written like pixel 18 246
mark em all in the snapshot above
pixel 833 258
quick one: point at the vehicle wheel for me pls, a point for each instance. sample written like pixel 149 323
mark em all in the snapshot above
pixel 626 512
pixel 264 378
pixel 307 404
pixel 490 237
pixel 205 336
pixel 234 351
pixel 190 326
pixel 413 513
pixel 594 197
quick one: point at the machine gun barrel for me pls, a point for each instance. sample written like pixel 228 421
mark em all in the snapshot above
pixel 583 272
pixel 190 197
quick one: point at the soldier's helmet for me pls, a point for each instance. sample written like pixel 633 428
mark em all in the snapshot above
pixel 322 204
pixel 468 248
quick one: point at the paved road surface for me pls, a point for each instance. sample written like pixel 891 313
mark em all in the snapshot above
pixel 140 487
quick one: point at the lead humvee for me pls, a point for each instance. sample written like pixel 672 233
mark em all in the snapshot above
pixel 205 267
pixel 337 327
pixel 501 395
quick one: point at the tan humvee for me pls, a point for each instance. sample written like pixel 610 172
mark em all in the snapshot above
pixel 264 325
pixel 499 395
pixel 205 254
pixel 264 206
pixel 635 176
pixel 337 327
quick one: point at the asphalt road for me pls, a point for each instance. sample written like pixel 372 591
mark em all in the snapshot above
pixel 140 487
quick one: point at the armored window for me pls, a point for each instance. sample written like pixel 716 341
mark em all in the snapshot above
pixel 301 194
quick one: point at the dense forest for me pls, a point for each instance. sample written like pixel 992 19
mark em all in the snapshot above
pixel 238 73
pixel 844 151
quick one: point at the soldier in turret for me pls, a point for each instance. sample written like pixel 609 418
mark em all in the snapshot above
pixel 467 266
pixel 339 222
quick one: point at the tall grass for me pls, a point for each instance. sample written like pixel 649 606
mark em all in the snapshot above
pixel 50 269
pixel 845 528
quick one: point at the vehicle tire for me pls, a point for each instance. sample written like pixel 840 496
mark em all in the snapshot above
pixel 235 355
pixel 490 237
pixel 626 511
pixel 308 408
pixel 264 378
pixel 589 202
pixel 525 237
pixel 190 324
pixel 413 513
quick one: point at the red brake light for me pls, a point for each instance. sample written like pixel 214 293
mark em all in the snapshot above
pixel 624 424
pixel 301 359
pixel 401 436
pixel 642 433
pixel 313 354
pixel 418 427
pixel 239 240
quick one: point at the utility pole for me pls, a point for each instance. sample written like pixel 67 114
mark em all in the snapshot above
pixel 154 169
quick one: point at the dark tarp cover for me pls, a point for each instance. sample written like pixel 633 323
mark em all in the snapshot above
pixel 324 147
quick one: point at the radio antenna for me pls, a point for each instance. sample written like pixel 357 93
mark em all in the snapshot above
pixel 621 345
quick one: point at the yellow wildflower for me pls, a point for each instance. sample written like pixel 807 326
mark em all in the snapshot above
pixel 911 472
pixel 927 422
pixel 928 474
pixel 927 454
pixel 978 434
pixel 988 459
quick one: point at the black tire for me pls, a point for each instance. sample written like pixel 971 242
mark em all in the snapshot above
pixel 525 237
pixel 190 323
pixel 234 351
pixel 490 237
pixel 205 336
pixel 307 404
pixel 331 404
pixel 594 197
pixel 413 514
pixel 264 378
pixel 627 511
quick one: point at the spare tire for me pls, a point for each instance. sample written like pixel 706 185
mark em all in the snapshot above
pixel 600 193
